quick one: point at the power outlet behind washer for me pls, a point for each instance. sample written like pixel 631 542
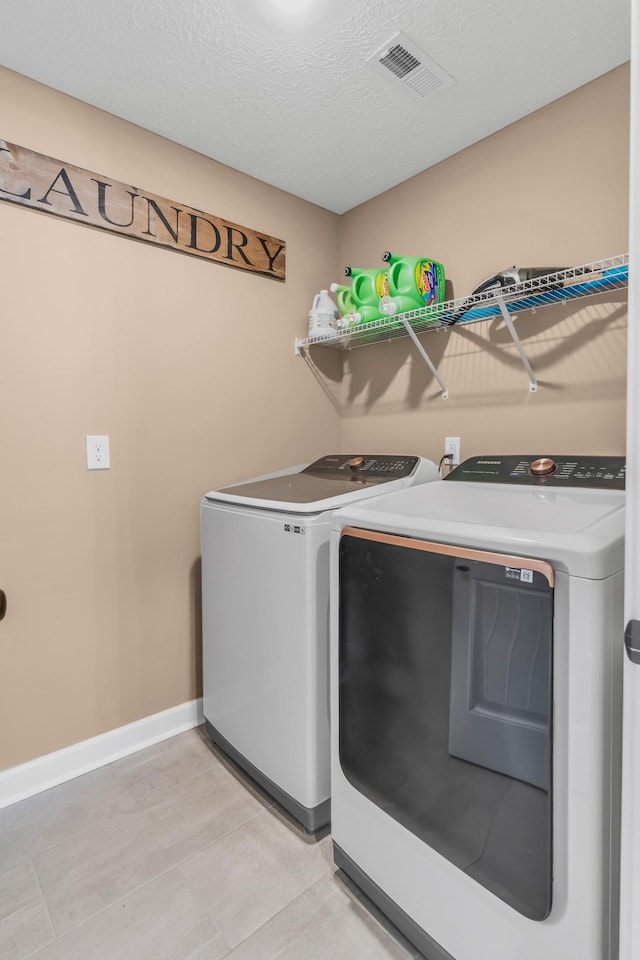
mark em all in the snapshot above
pixel 452 447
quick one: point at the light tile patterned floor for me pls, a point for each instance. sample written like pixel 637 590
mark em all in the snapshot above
pixel 172 854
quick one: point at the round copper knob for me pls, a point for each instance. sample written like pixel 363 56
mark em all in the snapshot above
pixel 356 462
pixel 543 466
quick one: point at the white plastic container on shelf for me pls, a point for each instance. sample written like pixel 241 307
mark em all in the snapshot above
pixel 323 316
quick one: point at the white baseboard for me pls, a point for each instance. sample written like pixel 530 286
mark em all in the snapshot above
pixel 27 779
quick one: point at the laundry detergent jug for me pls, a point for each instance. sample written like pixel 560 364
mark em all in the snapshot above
pixel 418 279
pixel 346 302
pixel 367 286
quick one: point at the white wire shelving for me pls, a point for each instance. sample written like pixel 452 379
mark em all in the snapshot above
pixel 587 280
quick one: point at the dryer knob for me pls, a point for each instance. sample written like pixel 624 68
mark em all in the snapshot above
pixel 543 466
pixel 356 462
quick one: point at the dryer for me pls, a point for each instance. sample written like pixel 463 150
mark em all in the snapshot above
pixel 265 609
pixel 476 644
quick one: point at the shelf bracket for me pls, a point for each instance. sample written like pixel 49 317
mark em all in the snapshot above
pixel 425 356
pixel 533 383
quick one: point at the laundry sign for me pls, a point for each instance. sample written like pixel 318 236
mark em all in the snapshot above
pixel 41 183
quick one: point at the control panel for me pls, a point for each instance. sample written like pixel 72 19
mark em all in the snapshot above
pixel 607 473
pixel 369 466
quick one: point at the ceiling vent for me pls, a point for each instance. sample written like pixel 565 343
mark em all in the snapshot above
pixel 402 62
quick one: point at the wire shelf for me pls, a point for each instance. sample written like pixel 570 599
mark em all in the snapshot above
pixel 570 284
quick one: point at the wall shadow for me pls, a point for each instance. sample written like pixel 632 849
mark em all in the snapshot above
pixel 371 373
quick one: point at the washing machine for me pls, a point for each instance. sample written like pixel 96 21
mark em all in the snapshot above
pixel 476 651
pixel 265 603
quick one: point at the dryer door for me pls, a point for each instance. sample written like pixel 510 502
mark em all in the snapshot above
pixel 445 700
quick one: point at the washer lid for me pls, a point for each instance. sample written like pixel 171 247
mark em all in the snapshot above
pixel 296 488
pixel 325 484
pixel 577 530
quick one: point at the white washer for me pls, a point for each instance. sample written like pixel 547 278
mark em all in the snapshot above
pixel 265 599
pixel 476 664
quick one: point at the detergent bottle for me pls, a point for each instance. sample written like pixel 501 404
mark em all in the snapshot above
pixel 418 280
pixel 352 313
pixel 346 302
pixel 367 287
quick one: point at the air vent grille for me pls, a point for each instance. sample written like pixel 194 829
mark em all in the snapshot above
pixel 399 61
pixel 404 63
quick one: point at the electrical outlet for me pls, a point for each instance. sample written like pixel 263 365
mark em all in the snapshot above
pixel 98 453
pixel 452 446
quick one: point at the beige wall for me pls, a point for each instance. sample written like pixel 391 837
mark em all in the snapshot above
pixel 549 190
pixel 188 366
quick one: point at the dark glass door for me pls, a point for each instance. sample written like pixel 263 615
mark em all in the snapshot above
pixel 445 700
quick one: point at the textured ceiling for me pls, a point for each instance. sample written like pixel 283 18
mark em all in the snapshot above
pixel 287 98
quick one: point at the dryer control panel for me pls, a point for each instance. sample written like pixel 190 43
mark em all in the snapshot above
pixel 605 473
pixel 367 466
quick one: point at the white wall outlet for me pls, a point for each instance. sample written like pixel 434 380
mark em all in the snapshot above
pixel 98 453
pixel 452 446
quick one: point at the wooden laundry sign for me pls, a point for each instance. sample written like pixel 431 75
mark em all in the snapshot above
pixel 41 183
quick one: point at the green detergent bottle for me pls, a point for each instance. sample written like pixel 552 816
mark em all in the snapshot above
pixel 367 287
pixel 352 313
pixel 415 279
pixel 346 302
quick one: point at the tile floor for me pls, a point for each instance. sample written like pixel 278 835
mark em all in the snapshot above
pixel 172 854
